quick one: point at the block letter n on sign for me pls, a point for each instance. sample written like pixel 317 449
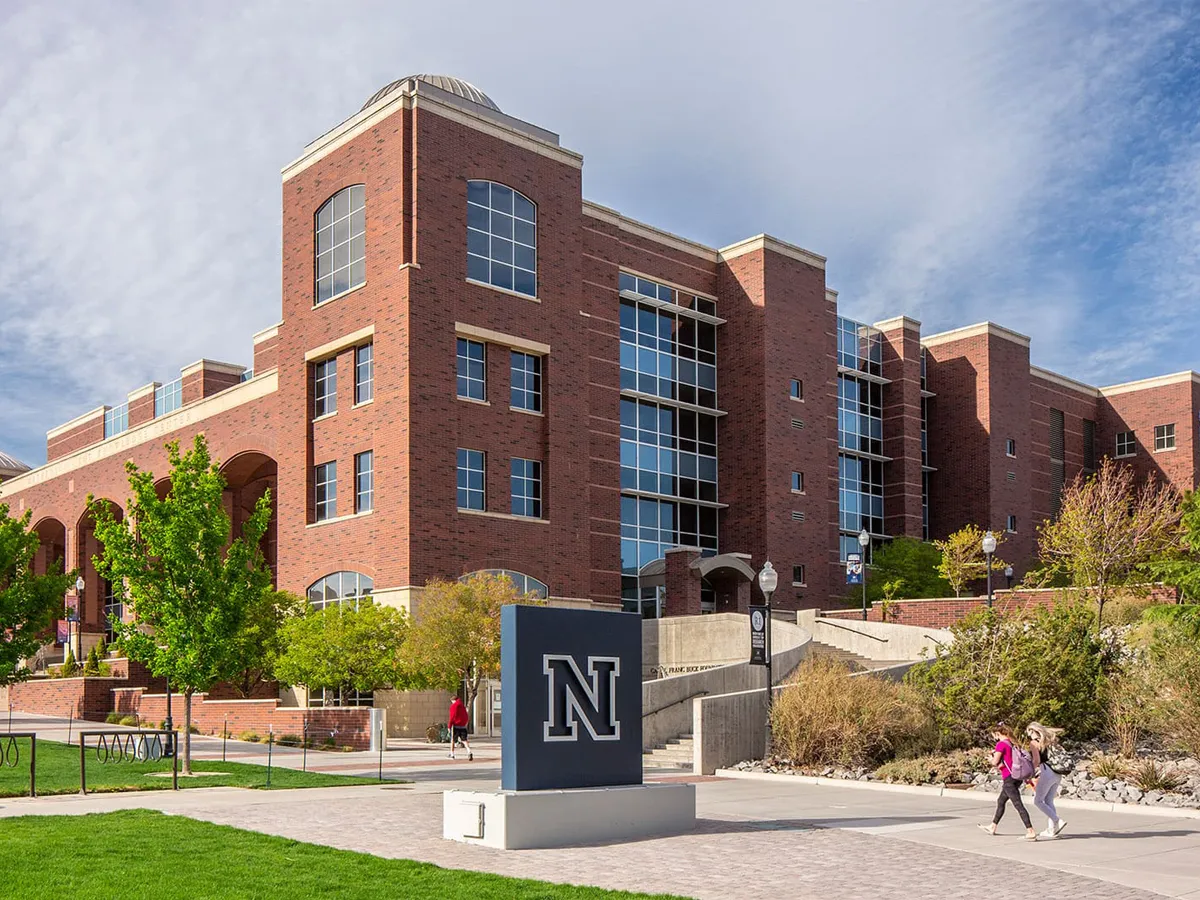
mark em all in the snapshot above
pixel 574 698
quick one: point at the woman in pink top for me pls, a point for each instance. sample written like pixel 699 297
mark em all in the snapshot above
pixel 1002 758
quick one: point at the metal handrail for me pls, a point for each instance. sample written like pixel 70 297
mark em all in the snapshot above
pixel 10 750
pixel 851 630
pixel 687 699
pixel 935 640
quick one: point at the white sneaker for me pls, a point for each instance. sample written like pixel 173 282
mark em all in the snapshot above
pixel 1048 833
pixel 452 756
pixel 1059 827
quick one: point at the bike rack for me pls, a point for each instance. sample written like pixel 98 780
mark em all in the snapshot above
pixel 10 754
pixel 126 746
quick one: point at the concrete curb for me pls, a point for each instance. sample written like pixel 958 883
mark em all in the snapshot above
pixel 986 798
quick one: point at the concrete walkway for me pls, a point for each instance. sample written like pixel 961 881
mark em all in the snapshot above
pixel 754 839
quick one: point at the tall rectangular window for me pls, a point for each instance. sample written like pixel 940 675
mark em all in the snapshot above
pixel 1089 445
pixel 168 397
pixel 1010 447
pixel 364 481
pixel 471 479
pixel 527 488
pixel 324 387
pixel 1058 460
pixel 797 389
pixel 364 373
pixel 1010 526
pixel 325 491
pixel 472 370
pixel 798 482
pixel 526 381
pixel 116 420
pixel 1164 437
pixel 1126 444
pixel 798 579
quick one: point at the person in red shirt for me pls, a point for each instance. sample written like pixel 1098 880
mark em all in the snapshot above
pixel 458 727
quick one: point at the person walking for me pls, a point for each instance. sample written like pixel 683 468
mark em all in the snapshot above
pixel 1016 766
pixel 1041 740
pixel 458 727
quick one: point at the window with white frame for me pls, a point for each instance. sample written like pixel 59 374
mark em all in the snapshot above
pixel 1010 447
pixel 526 483
pixel 1011 525
pixel 1126 444
pixel 116 420
pixel 526 381
pixel 324 375
pixel 1164 437
pixel 472 370
pixel 168 397
pixel 524 584
pixel 471 492
pixel 341 228
pixel 798 579
pixel 364 481
pixel 798 482
pixel 364 373
pixel 501 237
pixel 325 491
pixel 797 389
pixel 338 588
pixel 114 610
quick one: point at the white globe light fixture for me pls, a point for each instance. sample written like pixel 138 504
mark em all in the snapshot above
pixel 989 547
pixel 864 541
pixel 768 580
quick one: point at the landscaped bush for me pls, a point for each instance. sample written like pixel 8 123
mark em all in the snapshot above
pixel 956 767
pixel 824 717
pixel 1108 766
pixel 1149 775
pixel 1047 665
pixel 250 736
pixel 114 718
pixel 289 740
pixel 131 721
pixel 1173 662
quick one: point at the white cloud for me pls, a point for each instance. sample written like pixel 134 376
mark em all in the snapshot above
pixel 945 156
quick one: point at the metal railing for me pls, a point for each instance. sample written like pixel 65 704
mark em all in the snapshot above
pixel 851 630
pixel 10 755
pixel 126 747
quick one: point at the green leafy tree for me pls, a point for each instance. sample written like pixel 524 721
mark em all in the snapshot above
pixel 260 641
pixel 188 584
pixel 344 648
pixel 455 640
pixel 963 560
pixel 1047 665
pixel 910 561
pixel 1180 566
pixel 29 603
pixel 1108 531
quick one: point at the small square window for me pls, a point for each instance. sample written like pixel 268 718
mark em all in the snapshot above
pixel 471 493
pixel 1010 447
pixel 797 389
pixel 798 579
pixel 364 481
pixel 1011 525
pixel 1164 437
pixel 1126 444
pixel 325 491
pixel 798 482
pixel 472 370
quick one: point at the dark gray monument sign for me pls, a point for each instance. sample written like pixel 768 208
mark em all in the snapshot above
pixel 571 691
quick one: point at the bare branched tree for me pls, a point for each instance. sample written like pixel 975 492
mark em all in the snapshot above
pixel 1108 529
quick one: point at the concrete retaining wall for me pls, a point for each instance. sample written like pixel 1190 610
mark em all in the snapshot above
pixel 666 708
pixel 875 640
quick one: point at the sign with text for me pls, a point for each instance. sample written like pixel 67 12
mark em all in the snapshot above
pixel 62 631
pixel 854 569
pixel 758 635
pixel 571 690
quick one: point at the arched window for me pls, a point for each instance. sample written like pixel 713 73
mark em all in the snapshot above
pixel 340 587
pixel 341 243
pixel 523 583
pixel 501 237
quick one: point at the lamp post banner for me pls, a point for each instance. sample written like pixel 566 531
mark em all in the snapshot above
pixel 758 635
pixel 854 568
pixel 571 691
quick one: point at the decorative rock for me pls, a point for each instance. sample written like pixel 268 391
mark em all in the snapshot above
pixel 1152 796
pixel 1132 794
pixel 1112 796
pixel 1093 795
pixel 1100 782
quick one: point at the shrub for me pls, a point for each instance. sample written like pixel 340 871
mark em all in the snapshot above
pixel 131 721
pixel 1150 776
pixel 289 740
pixel 956 767
pixel 248 736
pixel 114 718
pixel 69 668
pixel 825 717
pixel 1047 665
pixel 329 743
pixel 1130 705
pixel 1111 767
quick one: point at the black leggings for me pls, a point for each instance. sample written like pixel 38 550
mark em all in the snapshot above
pixel 1011 790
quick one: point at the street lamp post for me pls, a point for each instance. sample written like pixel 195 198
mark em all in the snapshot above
pixel 1008 575
pixel 768 580
pixel 79 586
pixel 989 547
pixel 864 541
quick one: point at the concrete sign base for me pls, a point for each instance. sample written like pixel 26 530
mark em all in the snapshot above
pixel 526 820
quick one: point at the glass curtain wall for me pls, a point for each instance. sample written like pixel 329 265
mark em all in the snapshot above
pixel 860 434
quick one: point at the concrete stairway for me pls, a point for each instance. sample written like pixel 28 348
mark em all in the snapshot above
pixel 676 754
pixel 855 662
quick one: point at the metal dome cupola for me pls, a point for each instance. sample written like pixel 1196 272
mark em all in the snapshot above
pixel 447 83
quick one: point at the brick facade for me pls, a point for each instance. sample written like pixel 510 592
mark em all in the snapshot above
pixel 414 152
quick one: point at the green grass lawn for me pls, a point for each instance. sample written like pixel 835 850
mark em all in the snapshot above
pixel 58 773
pixel 139 853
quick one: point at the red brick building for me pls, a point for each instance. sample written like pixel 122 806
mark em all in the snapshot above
pixel 476 368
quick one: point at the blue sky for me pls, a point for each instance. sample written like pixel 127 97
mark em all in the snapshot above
pixel 1033 163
